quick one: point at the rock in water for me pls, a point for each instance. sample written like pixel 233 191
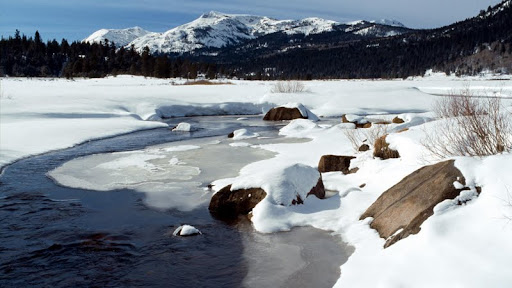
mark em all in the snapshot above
pixel 291 186
pixel 227 204
pixel 410 202
pixel 283 113
pixel 331 163
pixel 186 230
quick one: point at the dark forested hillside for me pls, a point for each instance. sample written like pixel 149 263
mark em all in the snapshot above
pixel 465 48
pixel 23 56
pixel 453 48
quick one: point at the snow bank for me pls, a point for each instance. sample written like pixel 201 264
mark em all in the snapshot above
pixel 184 127
pixel 38 115
pixel 299 128
pixel 241 134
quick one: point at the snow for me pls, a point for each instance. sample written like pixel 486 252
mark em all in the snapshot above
pixel 216 29
pixel 186 230
pixel 121 37
pixel 465 245
pixel 305 112
pixel 241 134
pixel 184 127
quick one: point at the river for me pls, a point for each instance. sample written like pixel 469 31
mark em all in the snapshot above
pixel 52 235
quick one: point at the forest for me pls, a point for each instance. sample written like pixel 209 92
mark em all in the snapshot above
pixel 468 47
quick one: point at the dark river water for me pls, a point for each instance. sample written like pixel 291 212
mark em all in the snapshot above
pixel 54 236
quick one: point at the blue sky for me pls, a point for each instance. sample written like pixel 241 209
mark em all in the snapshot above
pixel 75 20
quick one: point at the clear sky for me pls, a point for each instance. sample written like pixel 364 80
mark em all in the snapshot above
pixel 75 20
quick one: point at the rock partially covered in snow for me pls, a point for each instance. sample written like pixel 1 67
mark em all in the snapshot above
pixel 241 134
pixel 400 211
pixel 288 185
pixel 227 204
pixel 186 230
pixel 290 111
pixel 184 127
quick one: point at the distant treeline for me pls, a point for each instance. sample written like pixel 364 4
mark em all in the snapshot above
pixel 468 47
pixel 465 48
pixel 22 56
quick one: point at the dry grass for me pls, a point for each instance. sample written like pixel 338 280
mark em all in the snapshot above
pixel 207 82
pixel 475 126
pixel 382 150
pixel 288 87
pixel 369 136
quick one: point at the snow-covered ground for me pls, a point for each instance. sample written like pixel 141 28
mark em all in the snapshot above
pixel 459 246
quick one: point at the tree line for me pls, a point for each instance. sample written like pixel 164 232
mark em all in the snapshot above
pixel 22 56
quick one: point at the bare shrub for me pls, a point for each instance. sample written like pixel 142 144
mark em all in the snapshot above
pixel 288 87
pixel 368 136
pixel 382 150
pixel 474 126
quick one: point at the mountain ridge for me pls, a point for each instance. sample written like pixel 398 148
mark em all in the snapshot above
pixel 216 29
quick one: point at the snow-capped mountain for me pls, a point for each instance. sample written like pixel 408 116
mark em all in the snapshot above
pixel 389 22
pixel 121 37
pixel 216 30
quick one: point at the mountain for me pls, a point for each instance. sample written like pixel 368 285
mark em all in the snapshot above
pixel 121 37
pixel 217 30
pixel 480 43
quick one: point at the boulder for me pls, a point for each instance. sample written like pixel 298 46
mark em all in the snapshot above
pixel 398 120
pixel 231 135
pixel 186 230
pixel 364 148
pixel 331 163
pixel 283 113
pixel 382 150
pixel 410 202
pixel 228 205
pixel 360 123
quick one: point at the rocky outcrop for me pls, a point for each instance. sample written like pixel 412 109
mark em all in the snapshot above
pixel 228 205
pixel 283 113
pixel 331 163
pixel 410 202
pixel 381 149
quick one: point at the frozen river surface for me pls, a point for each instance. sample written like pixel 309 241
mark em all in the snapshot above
pixel 110 222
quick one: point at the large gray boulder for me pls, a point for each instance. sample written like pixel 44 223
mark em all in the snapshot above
pixel 410 202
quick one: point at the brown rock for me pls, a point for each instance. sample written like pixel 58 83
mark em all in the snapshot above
pixel 227 204
pixel 231 135
pixel 397 120
pixel 410 202
pixel 363 125
pixel 344 119
pixel 382 150
pixel 283 113
pixel 364 148
pixel 330 163
pixel 319 189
